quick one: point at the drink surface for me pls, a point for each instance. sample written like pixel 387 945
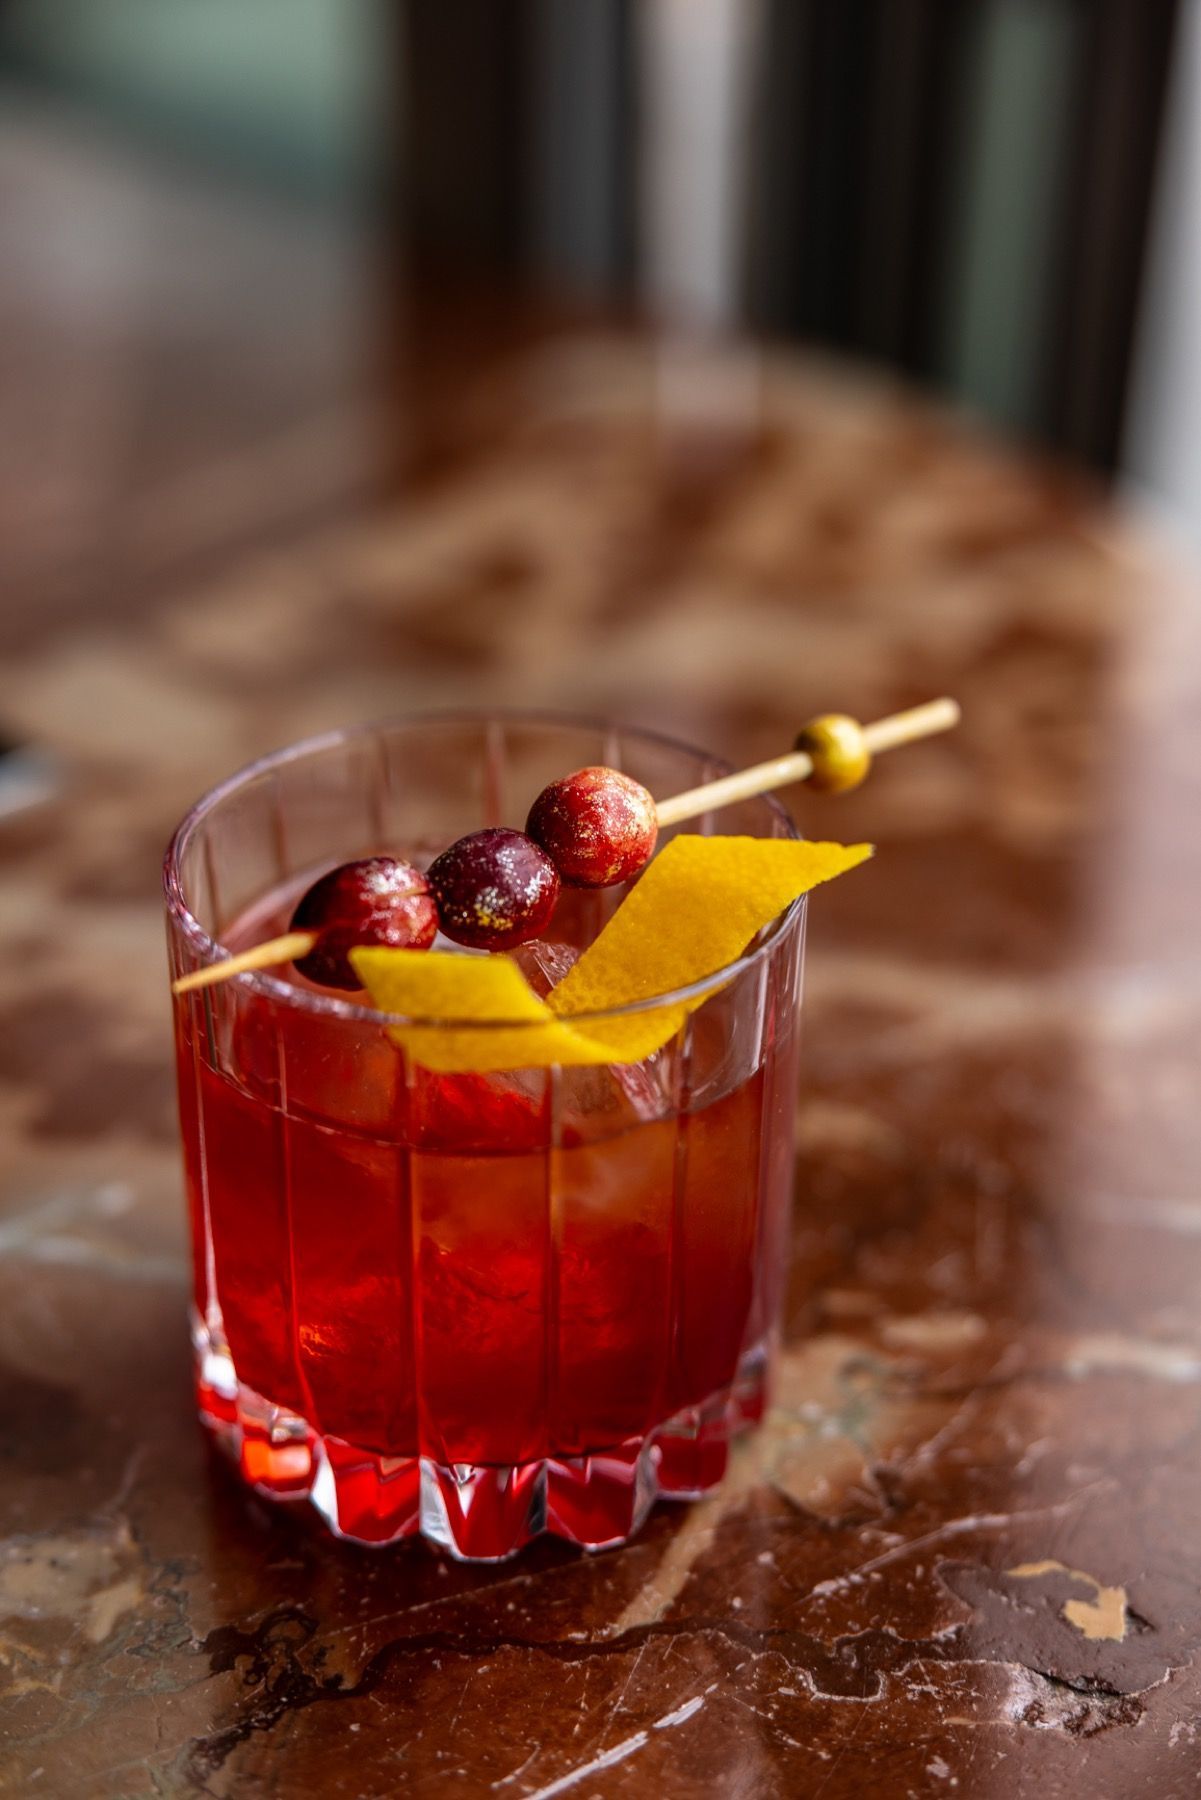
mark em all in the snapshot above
pixel 483 1270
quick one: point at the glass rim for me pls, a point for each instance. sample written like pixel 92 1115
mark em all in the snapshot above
pixel 210 950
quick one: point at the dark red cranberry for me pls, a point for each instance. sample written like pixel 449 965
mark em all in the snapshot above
pixel 494 889
pixel 597 826
pixel 378 901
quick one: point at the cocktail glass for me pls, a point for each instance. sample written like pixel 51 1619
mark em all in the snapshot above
pixel 470 1307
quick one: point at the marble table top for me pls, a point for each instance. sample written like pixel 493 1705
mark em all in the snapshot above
pixel 963 1554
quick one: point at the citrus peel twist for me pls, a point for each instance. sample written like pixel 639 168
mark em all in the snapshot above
pixel 692 913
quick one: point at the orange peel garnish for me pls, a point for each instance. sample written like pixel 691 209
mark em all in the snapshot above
pixel 694 910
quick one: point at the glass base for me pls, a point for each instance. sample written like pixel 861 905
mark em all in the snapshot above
pixel 476 1512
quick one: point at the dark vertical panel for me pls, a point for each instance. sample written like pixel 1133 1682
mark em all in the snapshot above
pixel 627 148
pixel 1119 112
pixel 854 143
pixel 465 118
pixel 775 201
pixel 898 69
pixel 835 166
pixel 580 171
pixel 820 236
pixel 915 71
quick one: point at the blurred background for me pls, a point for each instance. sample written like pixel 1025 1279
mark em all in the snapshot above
pixel 271 268
pixel 706 362
pixel 997 198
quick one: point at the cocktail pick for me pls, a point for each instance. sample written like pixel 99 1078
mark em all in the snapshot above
pixel 833 751
pixel 284 949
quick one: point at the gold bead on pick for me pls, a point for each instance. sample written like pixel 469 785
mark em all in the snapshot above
pixel 839 752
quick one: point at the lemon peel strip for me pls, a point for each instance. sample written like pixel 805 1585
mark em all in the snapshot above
pixel 695 909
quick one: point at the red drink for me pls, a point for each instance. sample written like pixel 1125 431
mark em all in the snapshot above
pixel 480 1306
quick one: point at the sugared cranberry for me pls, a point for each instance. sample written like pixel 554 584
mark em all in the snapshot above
pixel 598 827
pixel 494 889
pixel 378 901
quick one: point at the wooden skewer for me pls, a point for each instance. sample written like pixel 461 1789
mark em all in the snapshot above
pixel 762 778
pixel 916 722
pixel 781 771
pixel 260 956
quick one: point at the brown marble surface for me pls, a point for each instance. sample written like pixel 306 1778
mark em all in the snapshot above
pixel 963 1555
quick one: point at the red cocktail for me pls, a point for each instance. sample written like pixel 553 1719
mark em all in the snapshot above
pixel 472 1306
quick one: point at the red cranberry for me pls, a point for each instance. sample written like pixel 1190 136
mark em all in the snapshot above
pixel 495 889
pixel 378 901
pixel 598 827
